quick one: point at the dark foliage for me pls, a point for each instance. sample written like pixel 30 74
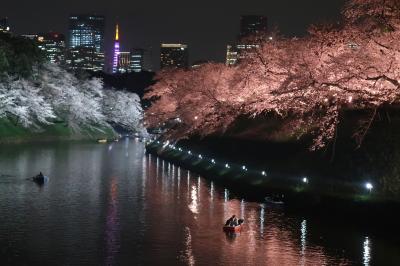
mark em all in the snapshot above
pixel 19 56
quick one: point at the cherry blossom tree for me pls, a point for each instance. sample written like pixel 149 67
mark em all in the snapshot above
pixel 123 109
pixel 307 81
pixel 21 100
pixel 55 94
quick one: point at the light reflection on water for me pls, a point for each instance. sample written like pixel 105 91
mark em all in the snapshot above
pixel 366 252
pixel 103 208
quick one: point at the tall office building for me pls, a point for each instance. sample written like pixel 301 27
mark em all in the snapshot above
pixel 137 60
pixel 4 26
pixel 231 55
pixel 253 29
pixel 86 42
pixel 84 58
pixel 148 59
pixel 53 44
pixel 124 62
pixel 253 25
pixel 174 55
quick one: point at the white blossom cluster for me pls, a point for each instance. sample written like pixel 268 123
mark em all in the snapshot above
pixel 57 95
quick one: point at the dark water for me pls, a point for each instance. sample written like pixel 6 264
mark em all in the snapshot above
pixel 114 205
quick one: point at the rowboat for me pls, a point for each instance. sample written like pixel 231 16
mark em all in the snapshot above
pixel 232 229
pixel 40 179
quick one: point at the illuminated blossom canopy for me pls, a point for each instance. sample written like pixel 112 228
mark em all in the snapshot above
pixel 307 81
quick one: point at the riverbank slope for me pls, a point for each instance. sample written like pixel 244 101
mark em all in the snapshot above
pixel 12 133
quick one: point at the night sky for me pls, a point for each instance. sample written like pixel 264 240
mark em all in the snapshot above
pixel 205 25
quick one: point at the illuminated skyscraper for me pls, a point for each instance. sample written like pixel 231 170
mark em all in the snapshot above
pixel 137 60
pixel 253 30
pixel 253 25
pixel 124 62
pixel 174 55
pixel 87 31
pixel 53 44
pixel 116 51
pixel 231 55
pixel 86 42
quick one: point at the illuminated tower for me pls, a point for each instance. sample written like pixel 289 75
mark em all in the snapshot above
pixel 116 51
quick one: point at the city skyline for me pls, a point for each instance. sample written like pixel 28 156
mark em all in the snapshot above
pixel 207 31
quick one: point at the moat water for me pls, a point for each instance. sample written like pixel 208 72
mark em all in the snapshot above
pixel 113 204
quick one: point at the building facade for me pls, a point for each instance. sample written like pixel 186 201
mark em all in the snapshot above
pixel 253 30
pixel 124 62
pixel 86 36
pixel 137 60
pixel 253 25
pixel 231 55
pixel 174 55
pixel 84 58
pixel 53 44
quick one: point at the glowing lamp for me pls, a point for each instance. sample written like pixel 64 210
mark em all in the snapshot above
pixel 263 173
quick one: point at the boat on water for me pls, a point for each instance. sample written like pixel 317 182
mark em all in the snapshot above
pixel 102 140
pixel 232 229
pixel 40 179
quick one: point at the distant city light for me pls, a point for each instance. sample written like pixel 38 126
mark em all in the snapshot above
pixel 200 156
pixel 369 186
pixel 305 180
pixel 263 173
pixel 227 166
pixel 213 161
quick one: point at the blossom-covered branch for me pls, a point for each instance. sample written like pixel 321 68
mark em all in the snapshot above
pixel 309 81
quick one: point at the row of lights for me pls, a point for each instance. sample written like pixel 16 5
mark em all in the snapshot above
pixel 173 147
pixel 305 180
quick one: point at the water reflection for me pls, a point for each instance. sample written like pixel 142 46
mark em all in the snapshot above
pixel 366 251
pixel 226 195
pixel 112 224
pixel 193 206
pixel 141 211
pixel 303 230
pixel 262 221
pixel 188 253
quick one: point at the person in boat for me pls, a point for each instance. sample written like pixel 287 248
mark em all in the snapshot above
pixel 234 222
pixel 40 175
pixel 240 221
pixel 230 220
